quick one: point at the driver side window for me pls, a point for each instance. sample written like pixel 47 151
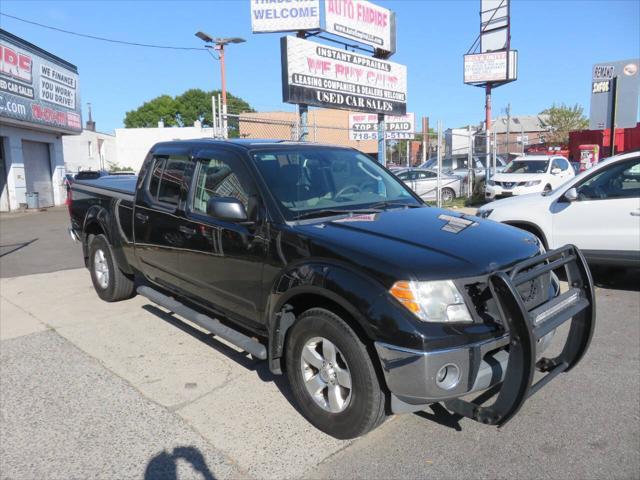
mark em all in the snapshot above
pixel 618 181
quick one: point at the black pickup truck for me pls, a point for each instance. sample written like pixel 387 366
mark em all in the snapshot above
pixel 320 261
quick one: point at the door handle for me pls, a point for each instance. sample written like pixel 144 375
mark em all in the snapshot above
pixel 635 213
pixel 142 217
pixel 186 230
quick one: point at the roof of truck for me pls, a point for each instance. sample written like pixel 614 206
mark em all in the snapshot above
pixel 245 143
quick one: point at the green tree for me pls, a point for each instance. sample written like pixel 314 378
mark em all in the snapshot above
pixel 562 119
pixel 182 110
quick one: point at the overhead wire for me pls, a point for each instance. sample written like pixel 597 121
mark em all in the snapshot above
pixel 103 39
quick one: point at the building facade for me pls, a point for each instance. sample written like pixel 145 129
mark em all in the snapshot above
pixel 39 104
pixel 90 150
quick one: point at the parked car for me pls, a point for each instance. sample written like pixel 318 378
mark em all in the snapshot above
pixel 425 183
pixel 320 261
pixel 598 210
pixel 459 166
pixel 529 174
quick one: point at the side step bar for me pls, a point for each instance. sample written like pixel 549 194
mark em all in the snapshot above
pixel 240 340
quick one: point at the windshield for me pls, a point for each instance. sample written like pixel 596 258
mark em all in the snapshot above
pixel 527 166
pixel 315 179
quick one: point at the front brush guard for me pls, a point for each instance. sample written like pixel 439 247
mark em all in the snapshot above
pixel 526 327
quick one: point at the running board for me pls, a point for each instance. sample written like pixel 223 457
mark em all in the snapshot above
pixel 214 326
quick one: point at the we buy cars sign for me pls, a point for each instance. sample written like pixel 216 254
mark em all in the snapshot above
pixel 315 74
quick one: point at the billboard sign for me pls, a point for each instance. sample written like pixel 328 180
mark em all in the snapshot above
pixel 361 21
pixel 490 67
pixel 364 126
pixel 38 89
pixel 494 25
pixel 627 88
pixel 322 76
pixel 289 16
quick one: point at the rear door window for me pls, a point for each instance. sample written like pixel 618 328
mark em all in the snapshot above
pixel 168 179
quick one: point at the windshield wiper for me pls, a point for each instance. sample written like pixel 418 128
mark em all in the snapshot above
pixel 329 212
pixel 388 204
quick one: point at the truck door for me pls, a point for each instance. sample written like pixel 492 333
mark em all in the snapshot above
pixel 158 202
pixel 221 262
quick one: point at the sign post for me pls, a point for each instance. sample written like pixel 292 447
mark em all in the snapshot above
pixel 612 124
pixel 382 146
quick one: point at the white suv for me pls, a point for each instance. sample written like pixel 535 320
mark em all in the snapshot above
pixel 529 174
pixel 598 211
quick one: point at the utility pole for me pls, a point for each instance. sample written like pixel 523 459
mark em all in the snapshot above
pixel 425 138
pixel 508 109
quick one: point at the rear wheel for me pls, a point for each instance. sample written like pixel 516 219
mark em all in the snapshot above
pixel 110 283
pixel 332 376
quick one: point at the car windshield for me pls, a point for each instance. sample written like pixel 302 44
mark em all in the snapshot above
pixel 312 180
pixel 527 166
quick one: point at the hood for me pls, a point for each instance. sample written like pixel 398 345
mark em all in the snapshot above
pixel 421 243
pixel 521 201
pixel 518 177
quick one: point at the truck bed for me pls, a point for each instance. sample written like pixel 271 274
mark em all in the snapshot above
pixel 121 186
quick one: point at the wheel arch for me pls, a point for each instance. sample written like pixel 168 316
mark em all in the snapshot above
pixel 531 228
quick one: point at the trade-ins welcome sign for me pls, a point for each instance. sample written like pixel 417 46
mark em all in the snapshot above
pixel 357 20
pixel 315 74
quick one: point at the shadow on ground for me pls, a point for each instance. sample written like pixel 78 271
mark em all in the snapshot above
pixel 617 278
pixel 164 466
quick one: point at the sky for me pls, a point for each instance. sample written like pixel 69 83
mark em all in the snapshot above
pixel 558 42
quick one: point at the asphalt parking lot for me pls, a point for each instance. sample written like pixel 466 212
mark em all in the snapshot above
pixel 128 390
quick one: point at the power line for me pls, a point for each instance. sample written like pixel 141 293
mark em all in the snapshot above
pixel 103 39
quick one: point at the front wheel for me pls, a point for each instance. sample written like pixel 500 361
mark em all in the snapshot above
pixel 447 195
pixel 332 376
pixel 110 283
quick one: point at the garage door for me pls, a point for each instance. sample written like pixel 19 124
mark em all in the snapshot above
pixel 37 171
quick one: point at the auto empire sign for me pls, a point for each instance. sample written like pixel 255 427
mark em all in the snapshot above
pixel 314 74
pixel 364 126
pixel 38 91
pixel 361 21
pixel 357 20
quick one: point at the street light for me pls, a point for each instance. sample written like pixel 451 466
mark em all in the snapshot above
pixel 218 44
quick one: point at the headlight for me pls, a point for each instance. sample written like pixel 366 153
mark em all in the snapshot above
pixel 485 213
pixel 491 183
pixel 532 183
pixel 437 301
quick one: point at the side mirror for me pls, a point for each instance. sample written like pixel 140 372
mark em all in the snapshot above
pixel 571 195
pixel 555 171
pixel 228 209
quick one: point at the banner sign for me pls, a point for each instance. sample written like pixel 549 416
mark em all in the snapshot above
pixel 627 77
pixel 314 74
pixel 38 90
pixel 364 126
pixel 494 25
pixel 284 16
pixel 361 21
pixel 490 67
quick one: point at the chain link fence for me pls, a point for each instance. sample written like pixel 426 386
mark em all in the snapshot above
pixel 458 161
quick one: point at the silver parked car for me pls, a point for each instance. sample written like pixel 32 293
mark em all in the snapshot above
pixel 425 182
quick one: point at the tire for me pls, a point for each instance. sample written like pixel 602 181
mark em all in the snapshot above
pixel 447 195
pixel 357 410
pixel 110 283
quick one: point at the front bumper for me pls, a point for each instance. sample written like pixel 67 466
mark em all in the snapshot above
pixel 497 191
pixel 511 359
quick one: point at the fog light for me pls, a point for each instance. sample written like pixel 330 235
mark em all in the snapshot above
pixel 448 376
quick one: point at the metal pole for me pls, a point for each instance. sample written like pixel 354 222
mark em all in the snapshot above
pixel 223 81
pixel 303 111
pixel 220 122
pixel 439 157
pixel 495 148
pixel 214 117
pixel 521 138
pixel 508 128
pixel 382 154
pixel 612 120
pixel 487 126
pixel 470 161
pixel 425 138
